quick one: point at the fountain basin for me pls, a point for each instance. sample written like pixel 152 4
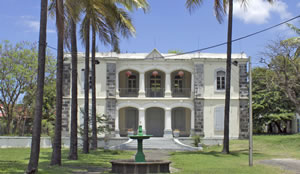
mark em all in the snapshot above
pixel 150 166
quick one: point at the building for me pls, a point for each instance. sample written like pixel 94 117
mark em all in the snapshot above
pixel 164 92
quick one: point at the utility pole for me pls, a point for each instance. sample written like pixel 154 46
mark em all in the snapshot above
pixel 250 117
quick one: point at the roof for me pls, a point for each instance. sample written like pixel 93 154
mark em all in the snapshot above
pixel 155 54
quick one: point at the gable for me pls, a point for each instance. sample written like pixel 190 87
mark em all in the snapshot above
pixel 154 54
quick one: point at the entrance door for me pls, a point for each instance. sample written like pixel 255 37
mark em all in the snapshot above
pixel 155 122
pixel 178 119
pixel 131 119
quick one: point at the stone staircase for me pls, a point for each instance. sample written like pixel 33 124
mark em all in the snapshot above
pixel 156 143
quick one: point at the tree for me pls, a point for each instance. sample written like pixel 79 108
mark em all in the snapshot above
pixel 36 133
pixel 284 61
pixel 106 20
pixel 220 8
pixel 56 146
pixel 270 104
pixel 17 69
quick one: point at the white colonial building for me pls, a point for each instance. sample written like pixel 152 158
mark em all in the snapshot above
pixel 164 92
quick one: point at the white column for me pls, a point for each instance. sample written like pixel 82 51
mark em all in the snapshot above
pixel 142 119
pixel 117 85
pixel 142 85
pixel 168 85
pixel 168 123
pixel 117 130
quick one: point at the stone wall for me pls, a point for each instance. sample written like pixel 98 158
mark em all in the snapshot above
pixel 111 80
pixel 199 80
pixel 243 80
pixel 111 94
pixel 198 101
pixel 199 121
pixel 66 107
pixel 244 119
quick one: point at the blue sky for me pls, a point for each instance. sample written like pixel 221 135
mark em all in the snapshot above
pixel 168 26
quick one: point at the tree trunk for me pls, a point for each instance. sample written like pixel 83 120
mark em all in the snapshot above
pixel 86 91
pixel 228 79
pixel 56 153
pixel 73 155
pixel 94 124
pixel 37 121
pixel 278 126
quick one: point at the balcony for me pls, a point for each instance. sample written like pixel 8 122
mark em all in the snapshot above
pixel 128 92
pixel 155 92
pixel 181 92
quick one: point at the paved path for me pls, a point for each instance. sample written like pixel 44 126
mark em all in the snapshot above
pixel 288 164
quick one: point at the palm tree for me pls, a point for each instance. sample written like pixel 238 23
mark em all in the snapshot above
pixel 220 10
pixel 73 11
pixel 105 19
pixel 36 132
pixel 56 153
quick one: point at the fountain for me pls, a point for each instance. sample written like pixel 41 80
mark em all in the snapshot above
pixel 140 165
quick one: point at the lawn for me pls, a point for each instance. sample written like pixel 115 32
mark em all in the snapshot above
pixel 15 160
pixel 212 161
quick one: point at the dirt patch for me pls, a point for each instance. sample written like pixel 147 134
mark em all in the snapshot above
pixel 288 164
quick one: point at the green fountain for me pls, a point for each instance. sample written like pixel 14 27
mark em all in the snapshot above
pixel 140 165
pixel 140 156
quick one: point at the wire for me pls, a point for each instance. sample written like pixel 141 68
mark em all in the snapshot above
pixel 220 44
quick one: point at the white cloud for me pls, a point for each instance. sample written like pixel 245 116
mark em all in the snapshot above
pixel 33 25
pixel 259 11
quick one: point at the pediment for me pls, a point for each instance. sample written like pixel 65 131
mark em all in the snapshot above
pixel 154 54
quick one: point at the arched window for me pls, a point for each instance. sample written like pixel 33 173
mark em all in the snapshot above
pixel 220 80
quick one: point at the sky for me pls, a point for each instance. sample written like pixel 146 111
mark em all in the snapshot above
pixel 168 25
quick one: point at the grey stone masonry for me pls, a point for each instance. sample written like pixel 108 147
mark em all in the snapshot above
pixel 66 80
pixel 199 121
pixel 198 80
pixel 244 119
pixel 111 112
pixel 243 82
pixel 111 80
pixel 66 107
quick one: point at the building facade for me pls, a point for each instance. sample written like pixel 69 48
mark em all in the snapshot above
pixel 163 93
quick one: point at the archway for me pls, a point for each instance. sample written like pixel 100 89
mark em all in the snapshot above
pixel 128 120
pixel 155 120
pixel 181 120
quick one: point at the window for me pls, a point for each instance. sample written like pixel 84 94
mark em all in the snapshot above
pixel 178 83
pixel 219 120
pixel 132 83
pixel 220 80
pixel 155 82
pixel 82 80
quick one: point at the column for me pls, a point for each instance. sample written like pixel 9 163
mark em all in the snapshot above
pixel 168 123
pixel 192 132
pixel 117 130
pixel 142 86
pixel 117 85
pixel 168 92
pixel 142 119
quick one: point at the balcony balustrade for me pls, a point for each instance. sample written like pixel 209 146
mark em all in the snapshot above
pixel 181 92
pixel 128 92
pixel 155 92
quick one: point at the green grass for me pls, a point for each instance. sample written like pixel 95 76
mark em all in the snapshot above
pixel 212 161
pixel 15 160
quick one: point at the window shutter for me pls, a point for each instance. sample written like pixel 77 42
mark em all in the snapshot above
pixel 219 119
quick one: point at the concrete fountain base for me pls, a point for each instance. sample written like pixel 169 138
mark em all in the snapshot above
pixel 150 166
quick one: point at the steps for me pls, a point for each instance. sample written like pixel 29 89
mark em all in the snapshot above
pixel 155 143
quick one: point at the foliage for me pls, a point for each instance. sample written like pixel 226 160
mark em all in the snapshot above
pixel 270 104
pixel 18 69
pixel 197 140
pixel 175 51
